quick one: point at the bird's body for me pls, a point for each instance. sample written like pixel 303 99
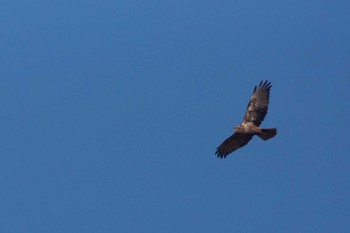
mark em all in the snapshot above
pixel 247 128
pixel 255 114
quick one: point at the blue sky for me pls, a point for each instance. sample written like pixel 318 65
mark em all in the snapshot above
pixel 111 112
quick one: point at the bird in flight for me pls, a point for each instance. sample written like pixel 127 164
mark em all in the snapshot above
pixel 255 114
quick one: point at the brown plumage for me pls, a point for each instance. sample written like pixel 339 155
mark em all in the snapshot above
pixel 255 114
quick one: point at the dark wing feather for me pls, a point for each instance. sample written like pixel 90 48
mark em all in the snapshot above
pixel 258 104
pixel 232 143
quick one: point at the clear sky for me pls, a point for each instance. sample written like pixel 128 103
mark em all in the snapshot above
pixel 111 112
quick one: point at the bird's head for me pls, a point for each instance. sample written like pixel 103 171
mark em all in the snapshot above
pixel 237 128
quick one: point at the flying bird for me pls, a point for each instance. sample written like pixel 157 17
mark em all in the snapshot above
pixel 255 114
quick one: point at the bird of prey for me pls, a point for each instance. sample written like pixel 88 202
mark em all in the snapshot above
pixel 255 114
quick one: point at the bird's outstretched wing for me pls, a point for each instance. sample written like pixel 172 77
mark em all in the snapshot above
pixel 232 143
pixel 258 104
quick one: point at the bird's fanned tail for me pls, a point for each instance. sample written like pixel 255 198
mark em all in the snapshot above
pixel 266 134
